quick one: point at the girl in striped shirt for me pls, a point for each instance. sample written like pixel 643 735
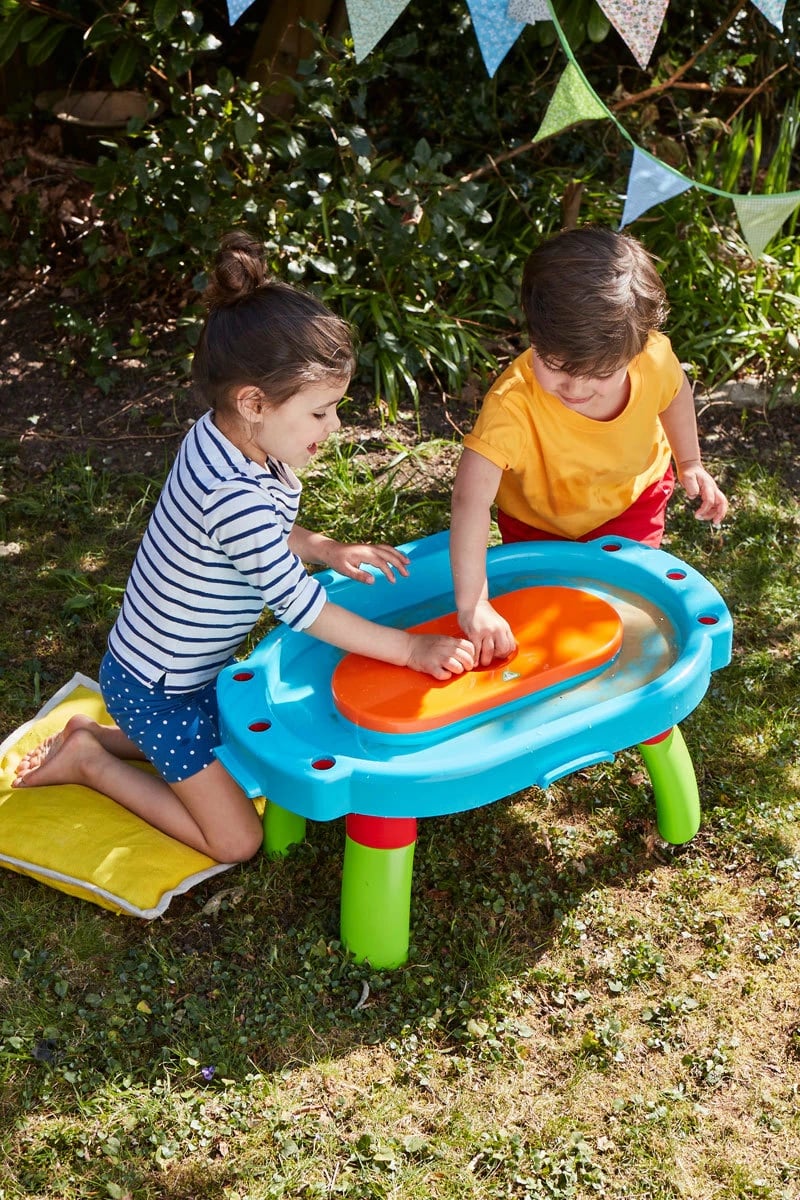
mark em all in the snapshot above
pixel 222 543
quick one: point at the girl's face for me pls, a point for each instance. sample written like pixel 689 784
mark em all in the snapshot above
pixel 293 431
pixel 601 397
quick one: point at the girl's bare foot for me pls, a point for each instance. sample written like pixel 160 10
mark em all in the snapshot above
pixel 38 755
pixel 29 766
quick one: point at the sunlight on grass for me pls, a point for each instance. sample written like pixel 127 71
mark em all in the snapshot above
pixel 585 1012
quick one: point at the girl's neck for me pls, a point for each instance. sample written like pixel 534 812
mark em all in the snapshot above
pixel 233 428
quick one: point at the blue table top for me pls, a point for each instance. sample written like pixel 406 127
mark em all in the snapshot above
pixel 283 737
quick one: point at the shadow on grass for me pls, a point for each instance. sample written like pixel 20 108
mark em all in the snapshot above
pixel 247 974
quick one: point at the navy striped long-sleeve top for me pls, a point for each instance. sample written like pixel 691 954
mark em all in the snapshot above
pixel 214 553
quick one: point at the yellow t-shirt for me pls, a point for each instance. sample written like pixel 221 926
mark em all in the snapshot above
pixel 564 472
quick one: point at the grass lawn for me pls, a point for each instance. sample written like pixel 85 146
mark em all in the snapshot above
pixel 585 1012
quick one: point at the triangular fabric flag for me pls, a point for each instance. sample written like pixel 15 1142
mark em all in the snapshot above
pixel 495 31
pixel 236 8
pixel 638 22
pixel 529 11
pixel 762 216
pixel 571 102
pixel 650 182
pixel 772 10
pixel 370 20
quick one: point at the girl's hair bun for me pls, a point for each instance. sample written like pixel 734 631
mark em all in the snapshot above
pixel 265 334
pixel 238 271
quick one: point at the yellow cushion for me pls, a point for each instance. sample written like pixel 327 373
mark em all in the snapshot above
pixel 80 841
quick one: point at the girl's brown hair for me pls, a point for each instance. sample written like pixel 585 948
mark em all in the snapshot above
pixel 264 334
pixel 591 297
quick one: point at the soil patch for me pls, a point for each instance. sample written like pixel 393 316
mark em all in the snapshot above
pixel 56 401
pixel 51 409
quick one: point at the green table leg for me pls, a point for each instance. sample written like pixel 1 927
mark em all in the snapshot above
pixel 376 888
pixel 669 765
pixel 282 829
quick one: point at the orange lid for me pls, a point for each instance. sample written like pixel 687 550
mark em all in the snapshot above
pixel 562 633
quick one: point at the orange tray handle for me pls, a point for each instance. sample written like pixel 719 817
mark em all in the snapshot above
pixel 562 633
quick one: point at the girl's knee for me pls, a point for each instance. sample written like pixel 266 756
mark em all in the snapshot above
pixel 80 721
pixel 238 846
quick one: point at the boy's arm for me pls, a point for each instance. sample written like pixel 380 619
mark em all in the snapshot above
pixel 474 490
pixel 680 425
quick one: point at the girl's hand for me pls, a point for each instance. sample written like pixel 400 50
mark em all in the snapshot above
pixel 347 560
pixel 488 632
pixel 440 656
pixel 696 481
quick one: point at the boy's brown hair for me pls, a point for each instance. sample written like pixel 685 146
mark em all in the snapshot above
pixel 591 297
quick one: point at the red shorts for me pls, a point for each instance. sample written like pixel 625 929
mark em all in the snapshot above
pixel 643 521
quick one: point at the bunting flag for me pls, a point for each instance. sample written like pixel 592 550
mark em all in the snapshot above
pixel 572 101
pixel 637 24
pixel 498 24
pixel 495 30
pixel 236 8
pixel 529 11
pixel 650 182
pixel 772 10
pixel 369 21
pixel 760 217
pixel 637 21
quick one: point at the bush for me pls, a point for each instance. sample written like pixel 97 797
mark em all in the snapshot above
pixel 408 200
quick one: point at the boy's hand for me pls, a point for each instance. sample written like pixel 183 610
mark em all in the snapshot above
pixel 489 633
pixel 347 560
pixel 440 656
pixel 697 482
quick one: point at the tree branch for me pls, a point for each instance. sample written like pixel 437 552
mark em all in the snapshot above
pixel 687 66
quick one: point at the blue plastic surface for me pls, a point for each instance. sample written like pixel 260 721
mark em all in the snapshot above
pixel 283 737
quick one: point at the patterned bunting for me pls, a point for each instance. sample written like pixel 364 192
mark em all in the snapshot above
pixel 638 22
pixel 236 8
pixel 572 101
pixel 762 216
pixel 649 183
pixel 529 11
pixel 772 10
pixel 370 20
pixel 495 31
pixel 498 24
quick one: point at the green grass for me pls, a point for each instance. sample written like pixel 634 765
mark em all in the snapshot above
pixel 584 1013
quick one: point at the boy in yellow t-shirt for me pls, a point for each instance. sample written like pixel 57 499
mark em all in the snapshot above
pixel 575 439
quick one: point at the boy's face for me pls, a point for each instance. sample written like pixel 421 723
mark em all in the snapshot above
pixel 600 397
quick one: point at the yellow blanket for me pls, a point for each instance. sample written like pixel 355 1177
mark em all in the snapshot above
pixel 81 842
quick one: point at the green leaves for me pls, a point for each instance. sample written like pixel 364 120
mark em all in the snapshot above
pixel 164 13
pixel 35 31
pixel 123 64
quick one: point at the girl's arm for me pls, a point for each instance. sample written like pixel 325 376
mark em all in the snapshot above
pixel 432 654
pixel 346 558
pixel 474 490
pixel 680 425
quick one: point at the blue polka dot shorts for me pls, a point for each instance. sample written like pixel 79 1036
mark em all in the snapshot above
pixel 177 732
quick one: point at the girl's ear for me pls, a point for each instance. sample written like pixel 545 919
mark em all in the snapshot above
pixel 250 402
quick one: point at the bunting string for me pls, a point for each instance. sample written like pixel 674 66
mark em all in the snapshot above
pixel 650 181
pixel 499 23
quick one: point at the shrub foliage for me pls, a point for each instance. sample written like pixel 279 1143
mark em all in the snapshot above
pixel 406 189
